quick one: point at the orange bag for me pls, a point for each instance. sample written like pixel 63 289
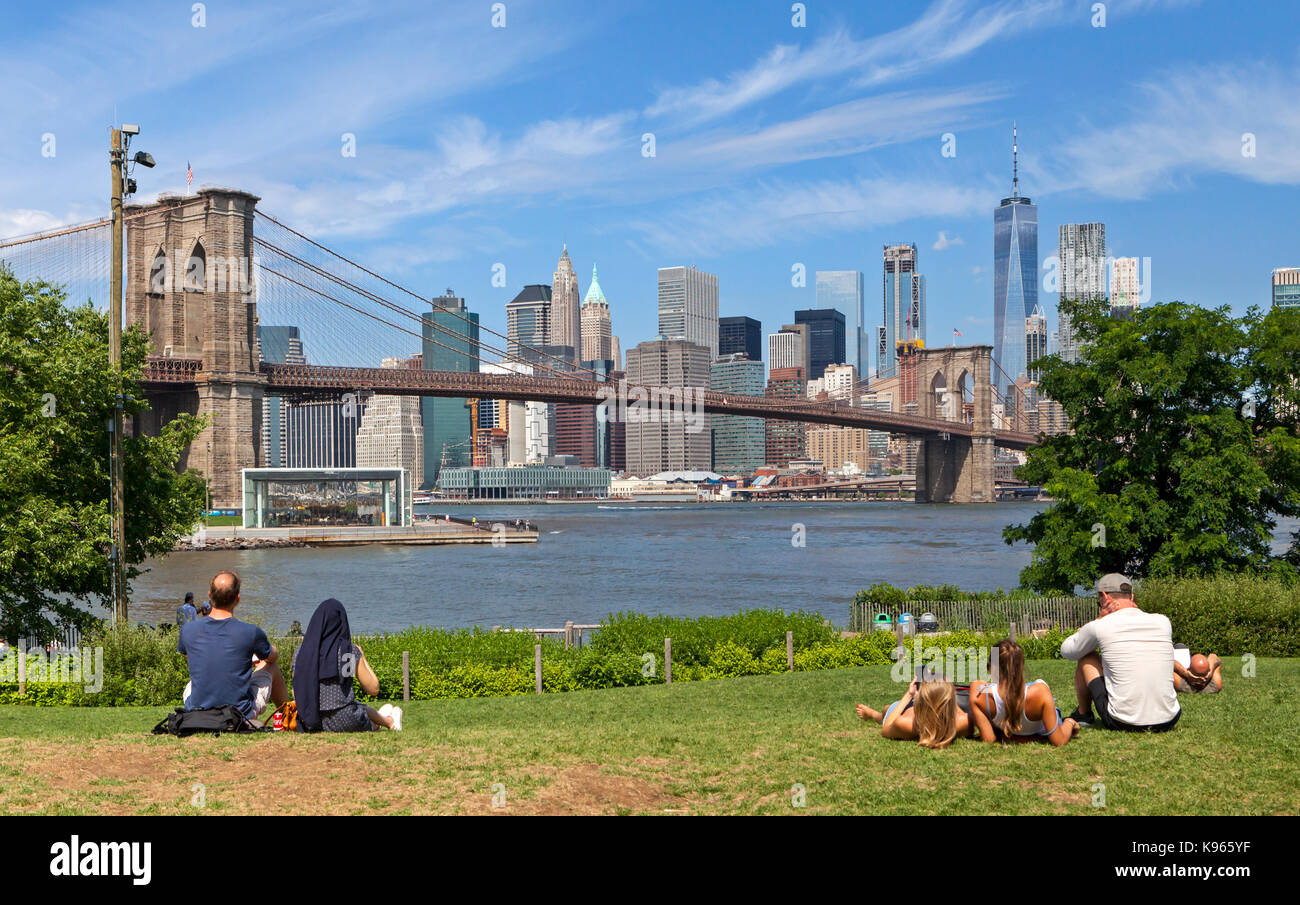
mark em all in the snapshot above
pixel 288 716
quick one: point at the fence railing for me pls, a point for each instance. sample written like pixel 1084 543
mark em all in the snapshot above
pixel 1028 614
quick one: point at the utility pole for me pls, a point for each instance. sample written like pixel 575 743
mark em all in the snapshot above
pixel 117 164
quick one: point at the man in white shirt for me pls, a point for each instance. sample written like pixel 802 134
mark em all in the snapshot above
pixel 1126 662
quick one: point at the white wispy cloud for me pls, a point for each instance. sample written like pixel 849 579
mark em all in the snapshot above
pixel 944 242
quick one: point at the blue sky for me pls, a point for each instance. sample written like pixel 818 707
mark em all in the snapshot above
pixel 775 145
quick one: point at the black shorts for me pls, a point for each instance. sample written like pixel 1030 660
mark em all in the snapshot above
pixel 1101 702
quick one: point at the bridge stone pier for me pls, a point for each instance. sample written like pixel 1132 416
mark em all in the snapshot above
pixel 189 283
pixel 957 469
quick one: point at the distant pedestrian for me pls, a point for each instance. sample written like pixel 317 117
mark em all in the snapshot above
pixel 186 612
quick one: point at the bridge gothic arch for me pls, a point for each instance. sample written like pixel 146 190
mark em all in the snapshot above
pixel 956 468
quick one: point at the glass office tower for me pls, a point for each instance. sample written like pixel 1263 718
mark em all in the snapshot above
pixel 1015 280
pixel 450 344
pixel 843 291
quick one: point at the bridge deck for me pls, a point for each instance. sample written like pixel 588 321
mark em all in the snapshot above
pixel 303 379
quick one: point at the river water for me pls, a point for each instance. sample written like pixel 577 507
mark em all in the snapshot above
pixel 685 559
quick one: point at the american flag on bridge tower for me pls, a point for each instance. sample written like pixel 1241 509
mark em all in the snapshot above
pixel 189 174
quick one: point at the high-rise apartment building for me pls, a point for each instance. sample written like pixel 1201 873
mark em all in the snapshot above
pixel 1125 287
pixel 738 441
pixel 835 447
pixel 843 290
pixel 903 306
pixel 1015 279
pixel 566 315
pixel 528 319
pixel 688 306
pixel 662 442
pixel 785 440
pixel 1082 258
pixel 597 341
pixel 1286 287
pixel 825 338
pixel 391 434
pixel 740 335
pixel 450 332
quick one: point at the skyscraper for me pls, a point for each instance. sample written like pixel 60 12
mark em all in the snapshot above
pixel 688 306
pixel 1082 254
pixel 738 441
pixel 566 315
pixel 903 305
pixel 391 434
pixel 279 345
pixel 528 319
pixel 1286 287
pixel 597 342
pixel 825 338
pixel 843 291
pixel 450 332
pixel 742 335
pixel 663 443
pixel 1015 278
pixel 788 347
pixel 1125 287
pixel 1036 342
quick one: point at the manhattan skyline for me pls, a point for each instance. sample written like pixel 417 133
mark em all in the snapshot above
pixel 778 148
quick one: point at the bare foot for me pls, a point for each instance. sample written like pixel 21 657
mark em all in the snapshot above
pixel 867 713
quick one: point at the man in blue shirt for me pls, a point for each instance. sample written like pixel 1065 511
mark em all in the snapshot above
pixel 187 612
pixel 231 662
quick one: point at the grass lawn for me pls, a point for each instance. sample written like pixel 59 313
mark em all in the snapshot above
pixel 223 521
pixel 721 747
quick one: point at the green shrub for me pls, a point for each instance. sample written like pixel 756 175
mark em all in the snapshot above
pixel 1229 615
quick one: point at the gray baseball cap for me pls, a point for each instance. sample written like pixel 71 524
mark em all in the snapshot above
pixel 1114 583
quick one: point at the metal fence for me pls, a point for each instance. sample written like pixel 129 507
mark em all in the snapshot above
pixel 1028 614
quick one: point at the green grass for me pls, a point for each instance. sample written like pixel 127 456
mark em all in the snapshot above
pixel 730 746
pixel 223 521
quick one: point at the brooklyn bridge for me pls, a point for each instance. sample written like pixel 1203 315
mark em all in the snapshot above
pixel 202 272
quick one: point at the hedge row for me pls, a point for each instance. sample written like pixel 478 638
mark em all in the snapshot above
pixel 1229 616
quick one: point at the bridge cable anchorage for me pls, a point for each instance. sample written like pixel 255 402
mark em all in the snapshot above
pixel 421 299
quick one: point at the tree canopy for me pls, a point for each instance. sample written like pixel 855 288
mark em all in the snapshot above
pixel 57 394
pixel 1184 449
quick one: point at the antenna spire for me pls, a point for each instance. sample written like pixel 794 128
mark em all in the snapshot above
pixel 1015 162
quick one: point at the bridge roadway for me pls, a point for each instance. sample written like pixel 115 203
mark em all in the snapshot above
pixel 306 380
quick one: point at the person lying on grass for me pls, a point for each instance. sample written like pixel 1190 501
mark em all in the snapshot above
pixel 1197 673
pixel 1014 710
pixel 231 662
pixel 323 670
pixel 927 712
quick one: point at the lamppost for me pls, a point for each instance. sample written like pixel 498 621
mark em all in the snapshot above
pixel 122 185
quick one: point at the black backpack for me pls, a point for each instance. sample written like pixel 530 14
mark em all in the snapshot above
pixel 216 720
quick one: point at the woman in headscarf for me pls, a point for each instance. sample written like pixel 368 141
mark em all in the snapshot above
pixel 323 670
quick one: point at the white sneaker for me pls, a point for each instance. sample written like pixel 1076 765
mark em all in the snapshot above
pixel 386 710
pixel 397 719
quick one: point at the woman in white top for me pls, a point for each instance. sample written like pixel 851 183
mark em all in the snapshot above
pixel 1016 711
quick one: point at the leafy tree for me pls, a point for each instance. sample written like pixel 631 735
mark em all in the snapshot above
pixel 57 394
pixel 1184 447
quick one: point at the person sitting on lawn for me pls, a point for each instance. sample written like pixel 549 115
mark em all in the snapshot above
pixel 1014 710
pixel 323 670
pixel 1197 673
pixel 1125 660
pixel 231 662
pixel 927 712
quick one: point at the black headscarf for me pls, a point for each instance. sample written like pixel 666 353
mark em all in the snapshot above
pixel 327 637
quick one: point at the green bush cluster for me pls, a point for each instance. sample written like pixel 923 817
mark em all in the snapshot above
pixel 1230 616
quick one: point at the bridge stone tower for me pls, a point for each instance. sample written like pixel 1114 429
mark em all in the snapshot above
pixel 189 283
pixel 958 469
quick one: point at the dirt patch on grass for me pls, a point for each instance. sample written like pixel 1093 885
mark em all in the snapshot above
pixel 280 775
pixel 309 776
